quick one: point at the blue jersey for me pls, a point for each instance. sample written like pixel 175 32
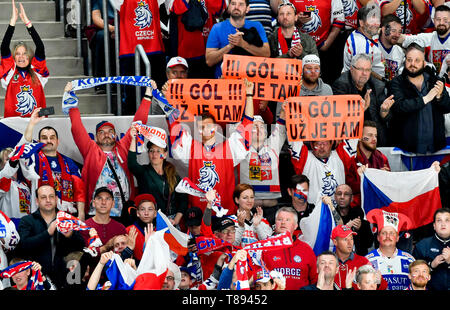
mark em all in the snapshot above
pixel 394 270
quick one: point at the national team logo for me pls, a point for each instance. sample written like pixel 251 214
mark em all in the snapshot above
pixel 208 176
pixel 400 12
pixel 350 7
pixel 329 184
pixel 25 100
pixel 390 69
pixel 315 21
pixel 144 16
pixel 297 259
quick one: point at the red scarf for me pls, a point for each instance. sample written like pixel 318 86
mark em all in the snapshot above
pixel 282 43
pixel 65 187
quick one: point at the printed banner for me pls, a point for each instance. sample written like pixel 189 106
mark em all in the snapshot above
pixel 274 78
pixel 318 118
pixel 225 99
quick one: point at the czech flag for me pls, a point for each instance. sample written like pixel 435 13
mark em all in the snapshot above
pixel 121 275
pixel 413 193
pixel 316 228
pixel 152 269
pixel 176 239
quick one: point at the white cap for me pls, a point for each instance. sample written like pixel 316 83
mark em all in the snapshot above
pixel 174 61
pixel 310 59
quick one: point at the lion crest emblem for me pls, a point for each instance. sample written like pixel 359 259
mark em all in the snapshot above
pixel 208 176
pixel 329 184
pixel 350 7
pixel 144 16
pixel 25 100
pixel 315 21
pixel 400 12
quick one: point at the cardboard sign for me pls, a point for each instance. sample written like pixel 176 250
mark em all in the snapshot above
pixel 225 99
pixel 318 118
pixel 274 78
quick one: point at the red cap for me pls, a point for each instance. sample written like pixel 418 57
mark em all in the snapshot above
pixel 399 221
pixel 342 231
pixel 142 197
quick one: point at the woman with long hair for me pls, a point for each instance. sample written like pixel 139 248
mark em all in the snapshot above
pixel 251 226
pixel 159 178
pixel 23 72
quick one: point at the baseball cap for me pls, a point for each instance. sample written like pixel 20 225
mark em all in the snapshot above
pixel 342 231
pixel 174 61
pixel 221 223
pixel 103 189
pixel 103 123
pixel 144 197
pixel 310 59
pixel 194 216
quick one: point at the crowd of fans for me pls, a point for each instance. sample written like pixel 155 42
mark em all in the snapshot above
pixel 393 54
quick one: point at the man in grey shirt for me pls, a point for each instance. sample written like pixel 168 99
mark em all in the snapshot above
pixel 312 84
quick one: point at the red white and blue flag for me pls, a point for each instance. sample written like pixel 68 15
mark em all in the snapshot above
pixel 413 193
pixel 176 239
pixel 35 282
pixel 66 222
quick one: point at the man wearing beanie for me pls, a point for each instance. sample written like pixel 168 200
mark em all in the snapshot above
pixel 312 84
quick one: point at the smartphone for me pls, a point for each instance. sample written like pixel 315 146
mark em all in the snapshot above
pixel 307 13
pixel 46 111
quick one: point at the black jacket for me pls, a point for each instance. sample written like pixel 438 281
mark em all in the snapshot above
pixel 403 127
pixel 35 245
pixel 344 85
pixel 427 249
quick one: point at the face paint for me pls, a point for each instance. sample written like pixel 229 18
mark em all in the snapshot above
pixel 301 193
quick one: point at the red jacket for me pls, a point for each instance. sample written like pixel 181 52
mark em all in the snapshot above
pixel 297 263
pixel 93 156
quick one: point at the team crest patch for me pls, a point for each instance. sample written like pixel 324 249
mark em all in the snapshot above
pixel 329 184
pixel 400 12
pixel 208 176
pixel 350 7
pixel 297 259
pixel 144 16
pixel 315 21
pixel 25 100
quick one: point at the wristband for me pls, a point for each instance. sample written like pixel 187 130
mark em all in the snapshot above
pixel 148 97
pixel 29 22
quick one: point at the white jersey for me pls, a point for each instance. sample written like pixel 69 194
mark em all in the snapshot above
pixel 324 177
pixel 436 49
pixel 394 270
pixel 251 233
pixel 358 43
pixel 9 242
pixel 394 60
pixel 15 197
pixel 260 168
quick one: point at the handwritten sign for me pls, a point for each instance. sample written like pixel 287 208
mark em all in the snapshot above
pixel 225 99
pixel 274 78
pixel 318 118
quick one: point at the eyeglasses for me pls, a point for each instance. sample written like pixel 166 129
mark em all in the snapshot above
pixel 170 278
pixel 229 231
pixel 366 70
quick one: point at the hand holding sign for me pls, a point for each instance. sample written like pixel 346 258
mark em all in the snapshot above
pixel 320 118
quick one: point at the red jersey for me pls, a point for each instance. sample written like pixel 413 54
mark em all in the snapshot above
pixel 140 24
pixel 351 8
pixel 192 44
pixel 297 264
pixel 212 167
pixel 23 93
pixel 324 15
pixel 414 21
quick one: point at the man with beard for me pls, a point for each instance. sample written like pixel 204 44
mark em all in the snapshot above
pixel 358 81
pixel 421 101
pixel 287 40
pixel 229 37
pixel 435 251
pixel 56 169
pixel 312 84
pixel 394 57
pixel 438 41
pixel 367 153
pixel 419 275
pixel 363 40
pixel 105 159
